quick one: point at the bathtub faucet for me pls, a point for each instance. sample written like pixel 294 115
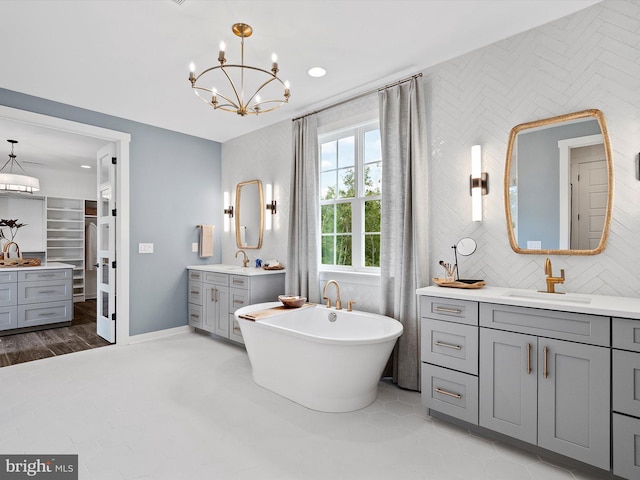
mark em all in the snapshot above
pixel 324 295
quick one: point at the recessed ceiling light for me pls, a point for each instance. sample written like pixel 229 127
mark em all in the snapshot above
pixel 317 72
pixel 85 166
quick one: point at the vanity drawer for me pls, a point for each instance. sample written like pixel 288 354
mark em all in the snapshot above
pixel 195 315
pixel 237 299
pixel 577 327
pixel 460 311
pixel 451 345
pixel 236 333
pixel 626 334
pixel 43 314
pixel 450 392
pixel 195 292
pixel 8 318
pixel 626 382
pixel 195 275
pixel 239 281
pixel 44 291
pixel 8 294
pixel 626 446
pixel 8 277
pixel 41 275
pixel 216 278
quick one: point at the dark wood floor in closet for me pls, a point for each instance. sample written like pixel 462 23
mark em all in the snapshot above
pixel 80 335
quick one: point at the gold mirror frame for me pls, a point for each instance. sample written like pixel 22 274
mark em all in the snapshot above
pixel 260 207
pixel 592 113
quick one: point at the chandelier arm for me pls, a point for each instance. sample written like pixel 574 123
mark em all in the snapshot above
pixel 218 94
pixel 21 168
pixel 233 86
pixel 5 164
pixel 258 90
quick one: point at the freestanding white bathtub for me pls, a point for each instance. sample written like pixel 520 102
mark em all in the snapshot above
pixel 325 365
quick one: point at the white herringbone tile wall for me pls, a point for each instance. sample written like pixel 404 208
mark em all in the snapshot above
pixel 590 59
pixel 587 60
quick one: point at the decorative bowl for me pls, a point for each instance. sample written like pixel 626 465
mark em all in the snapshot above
pixel 292 301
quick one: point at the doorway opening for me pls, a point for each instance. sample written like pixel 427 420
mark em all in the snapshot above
pixel 82 333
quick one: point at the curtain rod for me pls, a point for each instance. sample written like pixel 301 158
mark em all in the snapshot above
pixel 364 94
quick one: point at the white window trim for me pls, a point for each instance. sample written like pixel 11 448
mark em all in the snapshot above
pixel 334 132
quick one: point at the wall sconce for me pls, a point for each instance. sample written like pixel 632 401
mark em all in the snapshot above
pixel 228 212
pixel 478 183
pixel 271 205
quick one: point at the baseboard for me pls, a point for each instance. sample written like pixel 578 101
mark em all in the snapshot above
pixel 145 337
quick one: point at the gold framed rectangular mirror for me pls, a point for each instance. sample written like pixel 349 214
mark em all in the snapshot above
pixel 558 185
pixel 249 214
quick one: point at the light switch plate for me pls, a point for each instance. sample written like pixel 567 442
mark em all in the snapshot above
pixel 145 248
pixel 194 247
pixel 534 245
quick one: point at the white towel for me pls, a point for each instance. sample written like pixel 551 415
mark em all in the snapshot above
pixel 206 240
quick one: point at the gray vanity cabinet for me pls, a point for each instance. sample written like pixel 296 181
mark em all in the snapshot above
pixel 560 403
pixel 547 391
pixel 214 296
pixel 509 386
pixel 626 397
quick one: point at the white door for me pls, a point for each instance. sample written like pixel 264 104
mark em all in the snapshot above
pixel 106 303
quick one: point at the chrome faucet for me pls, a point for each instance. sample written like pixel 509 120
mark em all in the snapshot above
pixel 551 280
pixel 328 300
pixel 245 260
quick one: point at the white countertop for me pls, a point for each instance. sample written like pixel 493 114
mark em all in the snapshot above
pixel 48 266
pixel 234 269
pixel 625 307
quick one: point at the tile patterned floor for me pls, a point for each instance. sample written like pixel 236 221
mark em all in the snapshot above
pixel 185 407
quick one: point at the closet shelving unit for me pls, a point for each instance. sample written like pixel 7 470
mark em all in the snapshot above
pixel 65 238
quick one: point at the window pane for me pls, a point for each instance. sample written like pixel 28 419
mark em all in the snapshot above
pixel 346 182
pixel 373 179
pixel 327 218
pixel 372 147
pixel 328 156
pixel 327 249
pixel 372 250
pixel 343 250
pixel 343 218
pixel 328 185
pixel 372 216
pixel 346 152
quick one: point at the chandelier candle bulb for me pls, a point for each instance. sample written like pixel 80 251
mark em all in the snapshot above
pixel 221 58
pixel 274 65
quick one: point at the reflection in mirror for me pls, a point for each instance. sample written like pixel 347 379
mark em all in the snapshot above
pixel 249 214
pixel 558 185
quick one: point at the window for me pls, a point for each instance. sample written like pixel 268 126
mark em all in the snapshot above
pixel 350 196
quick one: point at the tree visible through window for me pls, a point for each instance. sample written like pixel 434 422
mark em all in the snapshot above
pixel 350 193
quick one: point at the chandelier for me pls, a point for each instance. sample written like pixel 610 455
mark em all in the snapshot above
pixel 238 76
pixel 16 182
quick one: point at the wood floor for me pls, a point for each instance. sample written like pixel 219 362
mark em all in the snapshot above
pixel 80 335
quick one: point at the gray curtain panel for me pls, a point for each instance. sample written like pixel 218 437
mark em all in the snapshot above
pixel 303 251
pixel 404 235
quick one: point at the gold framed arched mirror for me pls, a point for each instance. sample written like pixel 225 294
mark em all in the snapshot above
pixel 249 214
pixel 558 185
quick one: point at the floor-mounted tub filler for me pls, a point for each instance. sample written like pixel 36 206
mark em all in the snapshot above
pixel 325 359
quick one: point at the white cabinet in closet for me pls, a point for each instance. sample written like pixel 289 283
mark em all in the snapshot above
pixel 65 238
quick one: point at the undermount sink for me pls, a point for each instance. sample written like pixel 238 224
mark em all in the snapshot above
pixel 549 297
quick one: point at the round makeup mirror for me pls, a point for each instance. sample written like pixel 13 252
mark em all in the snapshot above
pixel 466 246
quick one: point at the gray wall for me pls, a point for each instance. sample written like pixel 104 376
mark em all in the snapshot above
pixel 175 185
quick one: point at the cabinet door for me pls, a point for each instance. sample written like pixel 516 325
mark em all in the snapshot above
pixel 508 383
pixel 574 406
pixel 211 307
pixel 222 315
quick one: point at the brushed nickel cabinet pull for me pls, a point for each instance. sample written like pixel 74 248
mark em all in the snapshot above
pixel 528 359
pixel 455 311
pixel 545 371
pixel 449 394
pixel 50 314
pixel 194 292
pixel 448 345
pixel 237 281
pixel 46 292
pixel 193 315
pixel 240 302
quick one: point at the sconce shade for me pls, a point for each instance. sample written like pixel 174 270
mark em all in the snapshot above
pixel 478 183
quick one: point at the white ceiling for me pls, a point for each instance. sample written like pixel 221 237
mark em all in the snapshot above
pixel 130 58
